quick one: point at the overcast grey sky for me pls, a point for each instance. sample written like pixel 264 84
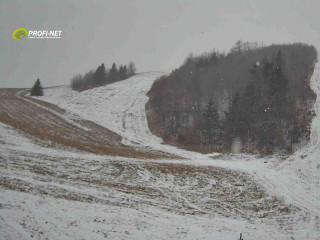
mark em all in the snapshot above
pixel 155 34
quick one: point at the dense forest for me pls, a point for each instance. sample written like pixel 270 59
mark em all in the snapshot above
pixel 102 76
pixel 256 96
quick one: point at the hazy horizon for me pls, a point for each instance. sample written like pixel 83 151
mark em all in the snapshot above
pixel 156 35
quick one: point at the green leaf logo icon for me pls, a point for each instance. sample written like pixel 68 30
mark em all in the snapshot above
pixel 19 33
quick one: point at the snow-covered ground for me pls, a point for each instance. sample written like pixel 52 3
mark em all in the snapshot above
pixel 50 218
pixel 57 194
pixel 120 107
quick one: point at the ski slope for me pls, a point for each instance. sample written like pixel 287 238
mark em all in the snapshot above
pixel 48 193
pixel 121 108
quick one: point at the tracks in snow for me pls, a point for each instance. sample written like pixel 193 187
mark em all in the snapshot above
pixel 120 107
pixel 57 126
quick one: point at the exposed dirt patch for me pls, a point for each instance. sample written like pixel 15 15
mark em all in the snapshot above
pixel 47 126
pixel 182 189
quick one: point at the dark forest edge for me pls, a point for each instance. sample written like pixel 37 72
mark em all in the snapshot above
pixel 102 76
pixel 254 99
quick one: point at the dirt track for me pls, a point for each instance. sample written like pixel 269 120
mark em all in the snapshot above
pixel 45 121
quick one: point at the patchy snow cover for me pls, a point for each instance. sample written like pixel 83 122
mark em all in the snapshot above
pixel 68 116
pixel 35 215
pixel 120 107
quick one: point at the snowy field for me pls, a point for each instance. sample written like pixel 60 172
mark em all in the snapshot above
pixel 120 107
pixel 50 193
pixel 58 194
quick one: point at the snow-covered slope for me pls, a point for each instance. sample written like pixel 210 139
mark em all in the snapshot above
pixel 121 108
pixel 48 193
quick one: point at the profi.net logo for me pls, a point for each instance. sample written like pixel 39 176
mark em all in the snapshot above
pixel 20 33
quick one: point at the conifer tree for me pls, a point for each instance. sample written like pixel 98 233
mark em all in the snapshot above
pixel 278 87
pixel 125 71
pixel 252 108
pixel 103 74
pixel 235 120
pixel 113 73
pixel 131 69
pixel 96 80
pixel 100 76
pixel 278 103
pixel 211 123
pixel 122 72
pixel 267 68
pixel 37 89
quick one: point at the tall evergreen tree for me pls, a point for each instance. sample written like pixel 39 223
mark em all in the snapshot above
pixel 103 74
pixel 131 69
pixel 125 71
pixel 278 87
pixel 100 76
pixel 211 120
pixel 267 68
pixel 236 121
pixel 37 89
pixel 96 79
pixel 252 109
pixel 113 75
pixel 122 72
pixel 276 123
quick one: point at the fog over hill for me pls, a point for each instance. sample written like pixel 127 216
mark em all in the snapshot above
pixel 156 35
